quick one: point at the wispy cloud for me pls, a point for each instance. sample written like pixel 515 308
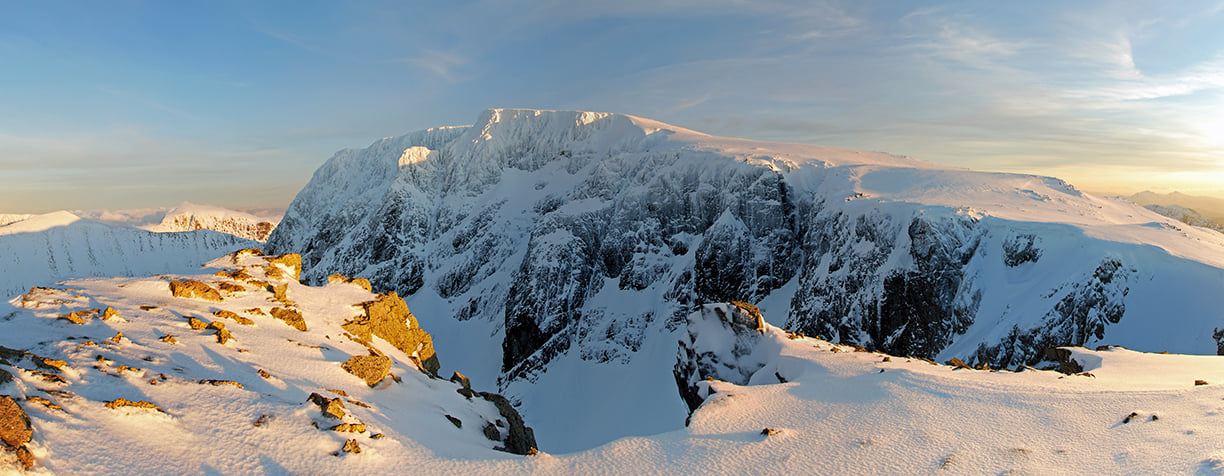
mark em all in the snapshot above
pixel 444 64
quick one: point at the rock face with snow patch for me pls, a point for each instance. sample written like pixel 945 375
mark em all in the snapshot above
pixel 586 235
pixel 722 342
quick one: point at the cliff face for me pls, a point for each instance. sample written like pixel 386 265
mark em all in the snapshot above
pixel 589 237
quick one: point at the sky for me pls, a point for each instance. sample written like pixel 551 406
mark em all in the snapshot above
pixel 131 104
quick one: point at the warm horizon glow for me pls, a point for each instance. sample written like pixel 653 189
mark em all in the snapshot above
pixel 235 104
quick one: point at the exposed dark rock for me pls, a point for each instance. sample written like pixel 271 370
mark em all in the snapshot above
pixel 14 356
pixel 1062 357
pixel 332 407
pixel 351 446
pixel 491 432
pixel 520 439
pixel 1020 249
pixel 1200 382
pixel 957 363
pixel 741 326
pixel 454 421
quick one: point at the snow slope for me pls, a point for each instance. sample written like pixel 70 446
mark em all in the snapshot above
pixel 805 407
pixel 43 249
pixel 563 250
pixel 212 394
pixel 1186 215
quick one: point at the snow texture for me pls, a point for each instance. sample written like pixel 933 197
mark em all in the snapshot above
pixel 561 251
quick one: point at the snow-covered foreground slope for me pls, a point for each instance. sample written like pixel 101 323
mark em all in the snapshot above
pixel 774 403
pixel 562 251
pixel 231 375
pixel 43 249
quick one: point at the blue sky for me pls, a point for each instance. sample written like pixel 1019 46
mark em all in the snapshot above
pixel 126 104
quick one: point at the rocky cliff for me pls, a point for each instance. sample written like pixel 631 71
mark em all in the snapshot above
pixel 589 237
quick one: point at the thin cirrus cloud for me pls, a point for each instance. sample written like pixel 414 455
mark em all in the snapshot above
pixel 1113 97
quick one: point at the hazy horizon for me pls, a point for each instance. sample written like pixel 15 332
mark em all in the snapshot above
pixel 234 104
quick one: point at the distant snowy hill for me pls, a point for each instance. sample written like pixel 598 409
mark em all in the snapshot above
pixel 562 252
pixel 43 249
pixel 1187 216
pixel 1210 207
pixel 189 217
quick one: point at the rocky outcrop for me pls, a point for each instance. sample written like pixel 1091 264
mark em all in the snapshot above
pixel 519 439
pixel 722 342
pixel 15 430
pixel 332 407
pixel 880 251
pixel 362 283
pixel 194 289
pixel 388 317
pixel 371 368
pixel 289 316
pixel 286 266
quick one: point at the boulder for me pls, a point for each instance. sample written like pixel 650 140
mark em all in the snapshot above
pixel 277 266
pixel 110 313
pixel 332 407
pixel 82 316
pixel 371 368
pixel 231 315
pixel 351 446
pixel 388 317
pixel 291 317
pixel 194 289
pixel 15 429
pixel 196 324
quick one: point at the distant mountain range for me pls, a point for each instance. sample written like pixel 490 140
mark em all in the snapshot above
pixel 1209 211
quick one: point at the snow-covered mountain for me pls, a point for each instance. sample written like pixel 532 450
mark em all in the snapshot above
pixel 1186 215
pixel 236 369
pixel 42 249
pixel 562 252
pixel 188 216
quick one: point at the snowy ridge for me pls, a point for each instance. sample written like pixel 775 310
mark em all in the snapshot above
pixel 43 249
pixel 563 250
pixel 190 217
pixel 1187 216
